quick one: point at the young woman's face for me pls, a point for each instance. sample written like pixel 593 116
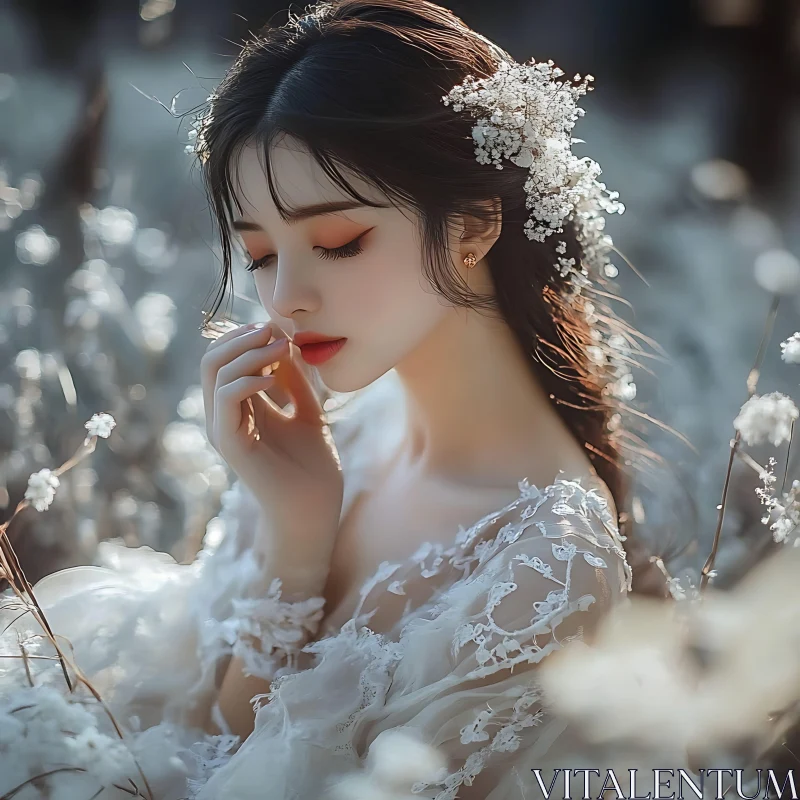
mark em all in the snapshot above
pixel 354 273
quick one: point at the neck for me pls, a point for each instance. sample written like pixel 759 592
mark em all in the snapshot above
pixel 475 412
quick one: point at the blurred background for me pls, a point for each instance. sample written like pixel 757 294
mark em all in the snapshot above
pixel 107 255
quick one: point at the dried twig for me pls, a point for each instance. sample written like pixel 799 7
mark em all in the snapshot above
pixel 752 384
pixel 12 570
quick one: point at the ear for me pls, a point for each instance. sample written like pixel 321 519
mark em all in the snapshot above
pixel 477 235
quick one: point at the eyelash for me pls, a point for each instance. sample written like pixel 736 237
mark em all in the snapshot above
pixel 348 250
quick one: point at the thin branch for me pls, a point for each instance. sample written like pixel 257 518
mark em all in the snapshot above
pixel 752 384
pixel 752 378
pixel 788 454
pixel 708 566
pixel 8 795
pixel 749 460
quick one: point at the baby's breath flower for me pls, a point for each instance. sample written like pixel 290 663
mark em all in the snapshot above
pixel 41 489
pixel 790 349
pixel 100 425
pixel 525 114
pixel 778 271
pixel 766 417
pixel 767 477
pixel 786 514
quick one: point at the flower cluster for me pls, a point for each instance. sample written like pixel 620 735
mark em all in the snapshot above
pixel 526 114
pixel 668 677
pixel 41 489
pixel 100 425
pixel 767 417
pixel 784 515
pixel 42 485
pixel 790 349
pixel 41 727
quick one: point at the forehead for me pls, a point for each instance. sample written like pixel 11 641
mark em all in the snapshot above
pixel 298 178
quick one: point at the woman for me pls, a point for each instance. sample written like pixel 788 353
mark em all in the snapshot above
pixel 411 569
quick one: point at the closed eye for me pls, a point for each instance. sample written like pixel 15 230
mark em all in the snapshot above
pixel 352 248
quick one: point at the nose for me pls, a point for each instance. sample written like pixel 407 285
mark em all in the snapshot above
pixel 294 290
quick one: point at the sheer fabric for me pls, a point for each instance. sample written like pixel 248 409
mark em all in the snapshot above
pixel 445 643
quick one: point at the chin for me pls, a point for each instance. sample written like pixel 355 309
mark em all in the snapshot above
pixel 347 377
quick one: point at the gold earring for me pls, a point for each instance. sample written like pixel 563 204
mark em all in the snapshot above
pixel 470 261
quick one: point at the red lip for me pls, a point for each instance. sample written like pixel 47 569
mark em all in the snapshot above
pixel 316 352
pixel 312 337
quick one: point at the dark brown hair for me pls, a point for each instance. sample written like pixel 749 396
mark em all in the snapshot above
pixel 360 83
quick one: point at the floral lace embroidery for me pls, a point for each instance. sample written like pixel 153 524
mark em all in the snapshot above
pixel 267 633
pixel 496 647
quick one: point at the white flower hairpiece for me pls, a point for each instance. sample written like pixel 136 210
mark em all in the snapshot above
pixel 525 113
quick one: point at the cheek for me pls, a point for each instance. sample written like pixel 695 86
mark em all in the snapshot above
pixel 393 305
pixel 265 285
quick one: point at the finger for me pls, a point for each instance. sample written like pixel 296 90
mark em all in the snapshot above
pixel 278 392
pixel 219 353
pixel 252 362
pixel 241 330
pixel 230 411
pixel 290 375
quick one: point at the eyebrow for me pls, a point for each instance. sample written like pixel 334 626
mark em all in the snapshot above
pixel 304 212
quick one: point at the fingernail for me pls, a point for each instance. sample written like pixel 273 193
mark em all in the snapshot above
pixel 258 325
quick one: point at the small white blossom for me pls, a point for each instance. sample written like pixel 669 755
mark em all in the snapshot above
pixel 525 114
pixel 767 477
pixel 766 417
pixel 100 425
pixel 778 271
pixel 41 489
pixel 399 765
pixel 785 513
pixel 790 349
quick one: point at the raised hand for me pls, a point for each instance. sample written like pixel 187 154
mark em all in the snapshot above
pixel 289 462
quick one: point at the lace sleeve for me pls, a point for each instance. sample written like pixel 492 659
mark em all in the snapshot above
pixel 264 630
pixel 468 680
pixel 153 634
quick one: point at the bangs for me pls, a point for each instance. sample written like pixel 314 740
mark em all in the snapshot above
pixel 222 167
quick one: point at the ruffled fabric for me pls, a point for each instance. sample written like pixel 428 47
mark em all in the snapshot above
pixel 445 643
pixel 456 664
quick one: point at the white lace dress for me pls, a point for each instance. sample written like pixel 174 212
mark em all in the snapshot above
pixel 463 626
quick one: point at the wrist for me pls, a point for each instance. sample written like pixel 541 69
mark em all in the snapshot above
pixel 301 560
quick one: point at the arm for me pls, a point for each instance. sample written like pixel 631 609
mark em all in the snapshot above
pixel 269 627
